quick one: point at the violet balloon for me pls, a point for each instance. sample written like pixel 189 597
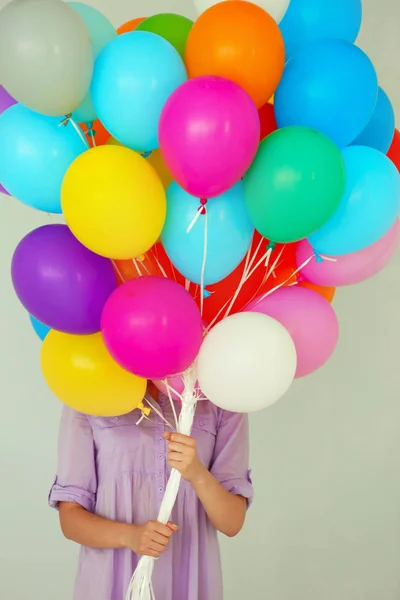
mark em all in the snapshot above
pixel 3 190
pixel 60 282
pixel 5 100
pixel 209 134
pixel 152 327
pixel 310 320
pixel 349 268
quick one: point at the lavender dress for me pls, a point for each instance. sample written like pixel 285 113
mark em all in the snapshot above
pixel 118 470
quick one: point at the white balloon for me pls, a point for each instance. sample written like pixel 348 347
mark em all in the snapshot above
pixel 276 8
pixel 246 363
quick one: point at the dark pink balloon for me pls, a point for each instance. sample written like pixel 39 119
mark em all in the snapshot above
pixel 3 190
pixel 349 268
pixel 5 100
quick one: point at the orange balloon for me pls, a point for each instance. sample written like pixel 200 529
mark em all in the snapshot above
pixel 130 25
pixel 238 40
pixel 154 262
pixel 326 292
pixel 101 135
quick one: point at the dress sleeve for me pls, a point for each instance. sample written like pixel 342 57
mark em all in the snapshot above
pixel 76 480
pixel 230 464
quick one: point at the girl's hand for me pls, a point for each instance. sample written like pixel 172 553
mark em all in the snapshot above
pixel 150 539
pixel 182 456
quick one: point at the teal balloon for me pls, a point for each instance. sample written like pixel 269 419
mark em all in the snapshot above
pixel 229 233
pixel 40 329
pixel 35 154
pixel 133 78
pixel 369 206
pixel 101 32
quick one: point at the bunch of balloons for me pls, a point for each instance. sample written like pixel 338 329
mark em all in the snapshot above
pixel 215 192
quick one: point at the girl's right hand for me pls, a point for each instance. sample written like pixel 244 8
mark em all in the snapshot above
pixel 150 539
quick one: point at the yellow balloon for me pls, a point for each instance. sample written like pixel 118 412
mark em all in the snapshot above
pixel 81 373
pixel 113 142
pixel 114 202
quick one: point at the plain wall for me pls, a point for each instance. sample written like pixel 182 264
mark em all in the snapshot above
pixel 326 520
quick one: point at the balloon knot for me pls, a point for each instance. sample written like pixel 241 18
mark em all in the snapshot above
pixel 206 294
pixel 318 257
pixel 146 154
pixel 65 120
pixel 203 202
pixel 271 246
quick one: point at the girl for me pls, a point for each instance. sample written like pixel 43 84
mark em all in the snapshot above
pixel 111 480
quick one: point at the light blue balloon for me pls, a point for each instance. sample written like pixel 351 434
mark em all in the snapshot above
pixel 35 153
pixel 310 20
pixel 330 86
pixel 380 130
pixel 230 233
pixel 101 32
pixel 40 329
pixel 133 78
pixel 369 207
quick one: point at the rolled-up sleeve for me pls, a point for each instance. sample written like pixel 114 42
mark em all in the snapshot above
pixel 230 464
pixel 76 479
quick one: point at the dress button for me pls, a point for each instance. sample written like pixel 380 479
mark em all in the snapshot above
pixel 115 419
pixel 160 425
pixel 160 456
pixel 202 423
pixel 160 489
pixel 160 439
pixel 160 472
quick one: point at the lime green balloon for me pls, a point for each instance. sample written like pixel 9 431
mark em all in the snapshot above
pixel 295 184
pixel 173 28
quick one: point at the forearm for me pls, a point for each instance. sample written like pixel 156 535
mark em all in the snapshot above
pixel 226 511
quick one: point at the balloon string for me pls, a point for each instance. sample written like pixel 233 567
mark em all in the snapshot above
pixel 305 263
pixel 118 271
pixel 136 267
pixel 172 404
pixel 69 119
pixel 203 266
pixel 159 265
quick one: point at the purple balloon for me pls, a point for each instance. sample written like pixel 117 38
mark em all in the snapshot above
pixel 3 190
pixel 5 100
pixel 60 282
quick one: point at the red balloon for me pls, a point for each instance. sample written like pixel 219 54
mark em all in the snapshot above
pixel 267 120
pixel 394 150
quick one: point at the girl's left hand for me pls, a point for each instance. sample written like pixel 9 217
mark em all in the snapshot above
pixel 182 456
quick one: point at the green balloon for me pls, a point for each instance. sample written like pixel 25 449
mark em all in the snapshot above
pixel 173 28
pixel 295 184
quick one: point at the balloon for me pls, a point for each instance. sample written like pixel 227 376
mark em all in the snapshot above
pixel 35 153
pixel 380 130
pixel 350 268
pixel 239 41
pixel 209 134
pixel 267 120
pixel 156 160
pixel 154 262
pixel 326 292
pixel 81 373
pixel 310 320
pixel 60 282
pixel 114 202
pixel 47 55
pixel 276 8
pixel 41 330
pixel 133 78
pixel 295 184
pixel 175 383
pixel 5 100
pixel 130 25
pixel 229 234
pixel 3 190
pixel 309 20
pixel 152 327
pixel 99 132
pixel 101 32
pixel 394 150
pixel 331 86
pixel 173 28
pixel 246 363
pixel 368 208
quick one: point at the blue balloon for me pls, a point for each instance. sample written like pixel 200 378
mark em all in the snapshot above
pixel 230 233
pixel 330 86
pixel 133 78
pixel 40 329
pixel 380 130
pixel 310 20
pixel 35 153
pixel 369 207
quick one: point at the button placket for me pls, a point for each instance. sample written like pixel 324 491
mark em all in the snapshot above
pixel 160 458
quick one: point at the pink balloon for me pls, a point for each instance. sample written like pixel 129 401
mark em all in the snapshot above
pixel 310 320
pixel 209 134
pixel 3 190
pixel 349 268
pixel 152 327
pixel 175 383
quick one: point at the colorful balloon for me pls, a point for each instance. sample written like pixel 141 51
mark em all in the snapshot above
pixel 209 135
pixel 60 282
pixel 154 262
pixel 114 202
pixel 267 120
pixel 327 292
pixel 295 184
pixel 40 329
pixel 5 100
pixel 394 150
pixel 246 363
pixel 130 25
pixel 152 327
pixel 276 8
pixel 81 373
pixel 310 320
pixel 3 190
pixel 349 268
pixel 49 54
pixel 380 130
pixel 369 206
pixel 134 76
pixel 241 42
pixel 98 131
pixel 35 153
pixel 173 28
pixel 309 20
pixel 330 86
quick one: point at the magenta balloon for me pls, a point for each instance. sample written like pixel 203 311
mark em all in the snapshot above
pixel 310 320
pixel 209 133
pixel 5 100
pixel 152 327
pixel 3 190
pixel 349 268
